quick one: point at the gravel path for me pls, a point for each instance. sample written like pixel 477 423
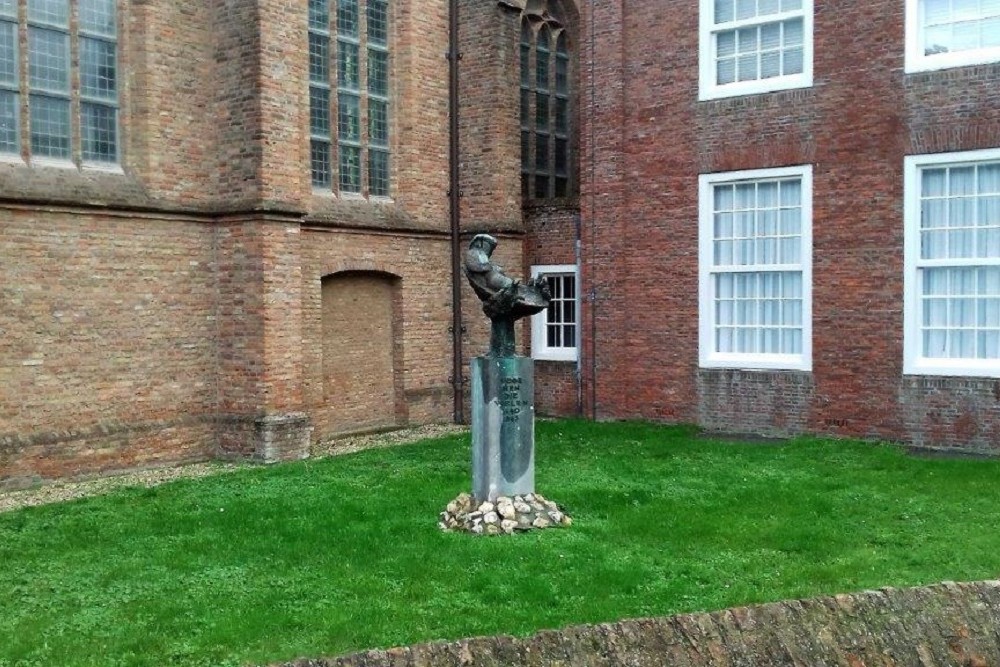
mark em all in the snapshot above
pixel 68 490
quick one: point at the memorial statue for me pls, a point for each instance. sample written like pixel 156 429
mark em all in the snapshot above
pixel 505 300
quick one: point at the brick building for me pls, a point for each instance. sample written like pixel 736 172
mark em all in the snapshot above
pixel 225 225
pixel 783 215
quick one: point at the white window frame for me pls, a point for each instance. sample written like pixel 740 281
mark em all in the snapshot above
pixel 916 61
pixel 708 89
pixel 539 338
pixel 914 363
pixel 708 357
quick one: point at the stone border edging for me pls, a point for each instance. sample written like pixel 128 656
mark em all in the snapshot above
pixel 947 624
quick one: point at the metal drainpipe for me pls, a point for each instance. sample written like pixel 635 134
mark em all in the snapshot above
pixel 454 194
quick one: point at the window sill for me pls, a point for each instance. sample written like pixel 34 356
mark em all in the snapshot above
pixel 964 368
pixel 707 93
pixel 917 64
pixel 770 362
pixel 568 355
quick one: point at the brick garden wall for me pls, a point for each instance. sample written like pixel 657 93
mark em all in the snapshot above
pixel 946 624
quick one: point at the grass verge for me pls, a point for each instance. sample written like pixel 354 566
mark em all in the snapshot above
pixel 329 556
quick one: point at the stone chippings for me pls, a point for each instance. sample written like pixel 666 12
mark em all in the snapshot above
pixel 505 516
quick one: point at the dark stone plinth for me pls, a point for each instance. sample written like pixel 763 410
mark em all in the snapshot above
pixel 503 427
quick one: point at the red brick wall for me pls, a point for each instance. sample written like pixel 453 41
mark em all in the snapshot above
pixel 107 341
pixel 217 353
pixel 648 138
pixel 421 301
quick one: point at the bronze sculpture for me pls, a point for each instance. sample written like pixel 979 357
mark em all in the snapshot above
pixel 505 300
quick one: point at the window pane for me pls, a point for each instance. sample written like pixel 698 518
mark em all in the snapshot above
pixel 350 168
pixel 8 8
pixel 8 53
pixel 562 157
pixel 378 173
pixel 542 153
pixel 319 111
pixel 724 10
pixel 99 132
pixel 347 18
pixel 562 74
pixel 541 186
pixel 319 14
pixel 98 76
pixel 319 58
pixel 349 117
pixel 98 16
pixel 378 22
pixel 378 72
pixel 347 66
pixel 9 140
pixel 53 12
pixel 50 133
pixel 562 115
pixel 320 161
pixel 542 111
pixel 378 122
pixel 48 58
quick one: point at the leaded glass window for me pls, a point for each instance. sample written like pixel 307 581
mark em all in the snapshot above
pixel 62 103
pixel 546 113
pixel 349 79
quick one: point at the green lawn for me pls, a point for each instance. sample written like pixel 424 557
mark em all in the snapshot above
pixel 330 556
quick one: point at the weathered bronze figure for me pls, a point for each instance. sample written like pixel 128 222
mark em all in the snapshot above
pixel 505 300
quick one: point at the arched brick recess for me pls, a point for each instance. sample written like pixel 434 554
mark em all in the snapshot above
pixel 362 352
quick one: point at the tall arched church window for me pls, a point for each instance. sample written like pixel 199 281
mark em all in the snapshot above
pixel 546 114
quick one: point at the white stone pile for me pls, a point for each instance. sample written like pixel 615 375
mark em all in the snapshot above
pixel 506 515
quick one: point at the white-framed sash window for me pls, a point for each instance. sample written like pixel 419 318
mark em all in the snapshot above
pixel 755 269
pixel 952 264
pixel 754 46
pixel 951 33
pixel 555 332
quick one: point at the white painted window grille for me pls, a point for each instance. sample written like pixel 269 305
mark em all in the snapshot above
pixel 555 332
pixel 952 294
pixel 755 245
pixel 754 46
pixel 65 98
pixel 349 81
pixel 951 33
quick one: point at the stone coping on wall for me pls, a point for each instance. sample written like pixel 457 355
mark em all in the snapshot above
pixel 947 624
